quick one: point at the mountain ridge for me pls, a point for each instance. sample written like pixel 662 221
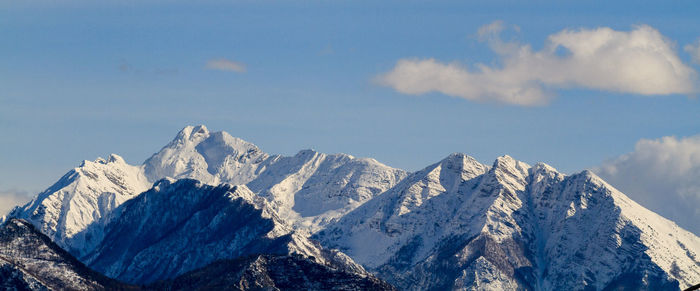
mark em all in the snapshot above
pixel 87 193
pixel 273 273
pixel 495 225
pixel 457 223
pixel 181 225
pixel 29 260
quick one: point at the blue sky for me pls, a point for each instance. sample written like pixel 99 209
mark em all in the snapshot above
pixel 80 80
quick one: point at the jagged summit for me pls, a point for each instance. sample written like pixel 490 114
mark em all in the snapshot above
pixel 457 223
pixel 207 156
pixel 82 197
pixel 514 226
pixel 112 158
pixel 309 189
pixel 543 167
pixel 307 152
pixel 192 132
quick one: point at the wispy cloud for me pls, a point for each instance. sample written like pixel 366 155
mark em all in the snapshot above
pixel 226 65
pixel 663 175
pixel 694 51
pixel 639 61
pixel 11 198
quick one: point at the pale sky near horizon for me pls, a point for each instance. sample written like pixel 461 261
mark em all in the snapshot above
pixel 404 82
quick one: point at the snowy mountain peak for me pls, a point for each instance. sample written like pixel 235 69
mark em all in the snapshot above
pixel 80 198
pixel 458 155
pixel 510 172
pixel 507 162
pixel 448 175
pixel 310 188
pixel 465 165
pixel 456 222
pixel 543 168
pixel 306 152
pixel 190 133
pixel 114 158
pixel 211 157
pixel 514 227
pixel 311 154
pixel 313 188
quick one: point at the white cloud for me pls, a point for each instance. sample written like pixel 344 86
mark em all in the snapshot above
pixel 663 175
pixel 226 65
pixel 640 61
pixel 694 51
pixel 11 198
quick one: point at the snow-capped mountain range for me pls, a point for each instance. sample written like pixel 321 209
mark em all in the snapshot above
pixel 457 224
pixel 307 190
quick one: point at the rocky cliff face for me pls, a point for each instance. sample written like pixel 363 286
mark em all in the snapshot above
pixel 29 260
pixel 271 272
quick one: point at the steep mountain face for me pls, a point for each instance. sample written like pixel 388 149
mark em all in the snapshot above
pixel 386 212
pixel 460 224
pixel 309 189
pixel 212 158
pixel 80 198
pixel 270 272
pixel 29 260
pixel 178 226
pixel 619 242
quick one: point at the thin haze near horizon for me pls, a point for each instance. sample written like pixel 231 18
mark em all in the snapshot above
pixel 604 86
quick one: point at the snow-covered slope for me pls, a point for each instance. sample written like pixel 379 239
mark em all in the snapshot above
pixel 308 189
pixel 30 261
pixel 460 224
pixel 455 224
pixel 80 198
pixel 178 226
pixel 210 157
pixel 604 238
